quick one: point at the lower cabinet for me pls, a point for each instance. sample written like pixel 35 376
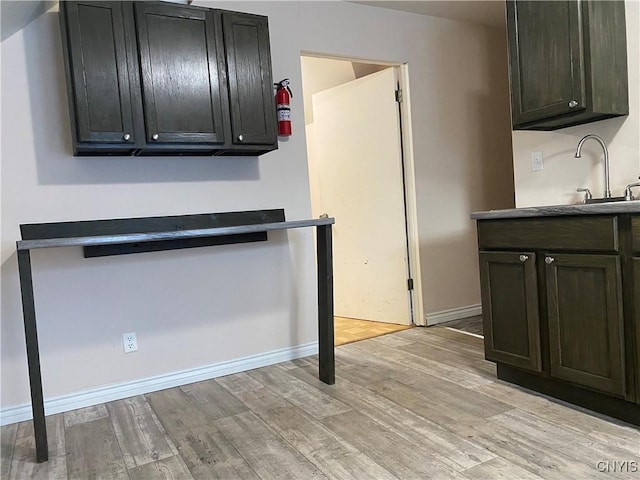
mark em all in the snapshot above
pixel 585 323
pixel 561 306
pixel 510 308
pixel 636 297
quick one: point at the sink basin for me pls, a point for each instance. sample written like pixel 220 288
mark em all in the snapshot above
pixel 605 200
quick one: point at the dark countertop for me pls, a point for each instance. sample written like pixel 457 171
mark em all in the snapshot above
pixel 560 210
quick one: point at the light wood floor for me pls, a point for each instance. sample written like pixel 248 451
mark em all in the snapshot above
pixel 417 404
pixel 348 330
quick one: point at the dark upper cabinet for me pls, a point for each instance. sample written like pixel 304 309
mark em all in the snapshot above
pixel 584 306
pixel 159 78
pixel 510 308
pixel 252 107
pixel 98 72
pixel 567 62
pixel 179 67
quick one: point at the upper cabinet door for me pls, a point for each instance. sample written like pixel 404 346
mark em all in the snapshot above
pixel 546 59
pixel 179 73
pixel 97 68
pixel 568 62
pixel 251 94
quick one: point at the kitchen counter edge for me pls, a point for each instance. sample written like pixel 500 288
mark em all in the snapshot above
pixel 560 210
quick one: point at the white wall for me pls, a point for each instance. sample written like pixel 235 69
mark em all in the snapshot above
pixel 563 173
pixel 197 307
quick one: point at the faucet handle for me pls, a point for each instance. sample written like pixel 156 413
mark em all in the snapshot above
pixel 628 194
pixel 587 194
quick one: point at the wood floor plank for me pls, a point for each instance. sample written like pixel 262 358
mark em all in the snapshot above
pixel 298 362
pixel 171 468
pixel 334 457
pixel 213 399
pixel 204 450
pixel 348 330
pixel 596 426
pixel 141 437
pixel 390 450
pixel 439 403
pixel 469 325
pixel 449 448
pixel 498 469
pixel 93 451
pixel 299 393
pixel 540 459
pixel 240 382
pixel 7 446
pixel 24 465
pixel 410 355
pixel 267 452
pixel 461 359
pixel 448 334
pixel 563 439
pixel 87 414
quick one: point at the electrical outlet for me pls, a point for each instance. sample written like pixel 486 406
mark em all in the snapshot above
pixel 129 342
pixel 537 162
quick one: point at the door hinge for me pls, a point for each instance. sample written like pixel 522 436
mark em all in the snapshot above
pixel 399 96
pixel 410 284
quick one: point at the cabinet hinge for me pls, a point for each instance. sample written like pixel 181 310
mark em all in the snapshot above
pixel 399 95
pixel 410 284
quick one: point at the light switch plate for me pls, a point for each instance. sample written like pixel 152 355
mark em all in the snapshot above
pixel 537 161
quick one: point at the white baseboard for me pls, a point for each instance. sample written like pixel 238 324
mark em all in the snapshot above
pixel 110 393
pixel 453 314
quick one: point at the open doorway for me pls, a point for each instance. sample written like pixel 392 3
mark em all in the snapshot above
pixel 358 174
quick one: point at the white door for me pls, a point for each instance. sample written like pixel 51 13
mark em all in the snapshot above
pixel 356 177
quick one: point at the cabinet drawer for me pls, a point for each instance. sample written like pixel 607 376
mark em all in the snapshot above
pixel 635 232
pixel 561 233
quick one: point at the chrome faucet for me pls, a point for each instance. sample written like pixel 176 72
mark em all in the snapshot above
pixel 607 189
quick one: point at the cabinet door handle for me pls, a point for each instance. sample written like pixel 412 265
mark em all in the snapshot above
pixel 155 136
pixel 549 260
pixel 240 138
pixel 573 104
pixel 524 258
pixel 126 137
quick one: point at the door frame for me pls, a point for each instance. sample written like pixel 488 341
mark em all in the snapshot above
pixel 409 184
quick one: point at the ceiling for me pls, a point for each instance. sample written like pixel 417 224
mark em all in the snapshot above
pixel 485 12
pixel 16 14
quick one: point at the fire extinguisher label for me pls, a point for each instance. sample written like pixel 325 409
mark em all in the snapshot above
pixel 284 115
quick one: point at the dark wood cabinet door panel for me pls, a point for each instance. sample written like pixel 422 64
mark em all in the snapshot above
pixel 99 72
pixel 251 94
pixel 567 62
pixel 546 60
pixel 570 233
pixel 635 232
pixel 584 308
pixel 510 308
pixel 636 323
pixel 179 67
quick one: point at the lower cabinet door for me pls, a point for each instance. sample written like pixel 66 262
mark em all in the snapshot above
pixel 636 298
pixel 585 320
pixel 510 308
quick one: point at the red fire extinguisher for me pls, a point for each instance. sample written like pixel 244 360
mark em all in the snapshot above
pixel 283 94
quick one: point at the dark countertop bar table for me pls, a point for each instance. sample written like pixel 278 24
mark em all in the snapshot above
pixel 175 236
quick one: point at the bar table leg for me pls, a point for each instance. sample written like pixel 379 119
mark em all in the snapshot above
pixel 33 355
pixel 325 305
